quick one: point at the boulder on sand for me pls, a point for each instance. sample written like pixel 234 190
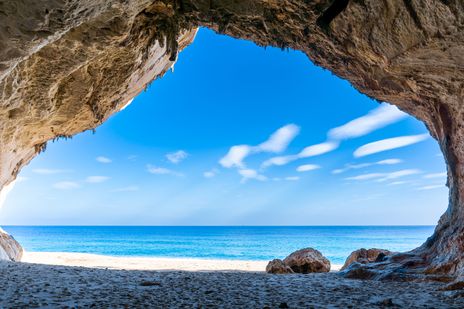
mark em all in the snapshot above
pixel 306 261
pixel 10 249
pixel 277 266
pixel 365 256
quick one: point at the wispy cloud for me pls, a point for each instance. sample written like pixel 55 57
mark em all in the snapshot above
pixel 102 159
pixel 177 157
pixel 307 167
pixel 397 183
pixel 318 149
pixel 377 118
pixel 251 174
pixel 276 143
pixel 366 176
pixel 389 144
pixel 48 171
pixel 431 187
pixel 348 167
pixel 292 178
pixel 235 156
pixel 398 174
pixel 280 139
pixel 211 173
pixel 66 185
pixel 436 175
pixel 126 189
pixel 161 170
pixel 310 151
pixel 132 157
pixel 380 177
pixel 96 179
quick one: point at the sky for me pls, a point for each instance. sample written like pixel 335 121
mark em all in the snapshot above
pixel 239 135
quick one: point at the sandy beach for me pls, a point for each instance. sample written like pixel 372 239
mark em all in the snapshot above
pixel 144 263
pixel 51 286
pixel 140 263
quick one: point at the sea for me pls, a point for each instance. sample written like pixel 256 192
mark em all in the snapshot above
pixel 218 242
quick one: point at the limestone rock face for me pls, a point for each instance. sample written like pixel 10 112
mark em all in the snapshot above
pixel 365 256
pixel 277 266
pixel 308 260
pixel 67 65
pixel 10 249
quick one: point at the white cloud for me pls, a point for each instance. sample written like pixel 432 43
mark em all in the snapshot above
pixel 380 177
pixel 396 183
pixel 318 149
pixel 47 171
pixel 398 174
pixel 431 187
pixel 388 144
pixel 436 175
pixel 310 151
pixel 211 173
pixel 96 179
pixel 132 157
pixel 292 178
pixel 161 170
pixel 277 142
pixel 389 161
pixel 348 167
pixel 126 189
pixel 377 118
pixel 251 174
pixel 307 167
pixel 177 157
pixel 235 156
pixel 102 159
pixel 282 160
pixel 66 185
pixel 366 176
pixel 380 117
pixel 280 139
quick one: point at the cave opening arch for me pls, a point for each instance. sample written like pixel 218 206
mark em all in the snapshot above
pixel 394 52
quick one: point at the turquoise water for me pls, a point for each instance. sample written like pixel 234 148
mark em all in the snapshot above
pixel 238 243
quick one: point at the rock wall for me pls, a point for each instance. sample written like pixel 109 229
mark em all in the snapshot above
pixel 65 66
pixel 10 249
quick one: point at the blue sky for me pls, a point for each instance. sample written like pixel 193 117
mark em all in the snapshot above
pixel 239 135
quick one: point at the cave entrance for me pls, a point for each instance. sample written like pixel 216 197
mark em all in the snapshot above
pixel 241 135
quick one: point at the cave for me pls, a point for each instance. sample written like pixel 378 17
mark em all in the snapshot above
pixel 66 66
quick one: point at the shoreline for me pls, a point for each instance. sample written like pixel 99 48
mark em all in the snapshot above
pixel 145 263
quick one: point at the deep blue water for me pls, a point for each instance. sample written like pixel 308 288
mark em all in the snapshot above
pixel 241 243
